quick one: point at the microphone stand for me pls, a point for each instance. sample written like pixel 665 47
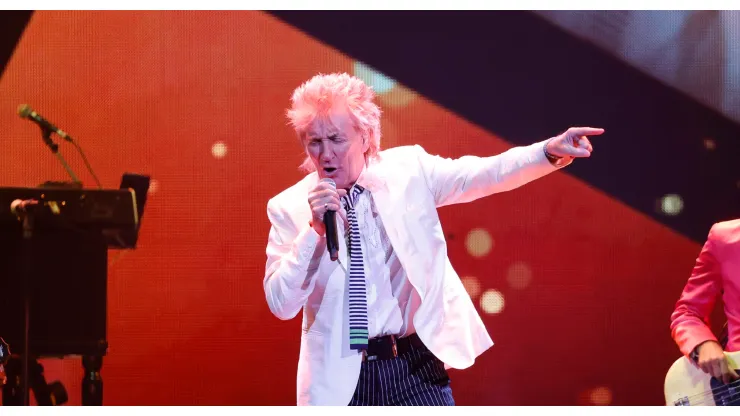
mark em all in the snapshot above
pixel 26 215
pixel 46 135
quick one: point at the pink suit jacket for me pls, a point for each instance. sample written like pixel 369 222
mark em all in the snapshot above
pixel 716 274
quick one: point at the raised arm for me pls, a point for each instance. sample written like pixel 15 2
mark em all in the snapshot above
pixel 471 177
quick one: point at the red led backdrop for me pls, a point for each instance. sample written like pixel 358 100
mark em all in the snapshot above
pixel 579 286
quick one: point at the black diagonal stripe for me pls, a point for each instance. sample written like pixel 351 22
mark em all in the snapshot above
pixel 12 25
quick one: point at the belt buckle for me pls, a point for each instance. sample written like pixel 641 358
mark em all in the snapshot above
pixel 366 357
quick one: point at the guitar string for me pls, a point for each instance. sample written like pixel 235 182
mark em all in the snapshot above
pixel 735 400
pixel 712 392
pixel 719 389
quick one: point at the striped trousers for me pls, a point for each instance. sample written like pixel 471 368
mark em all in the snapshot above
pixel 416 378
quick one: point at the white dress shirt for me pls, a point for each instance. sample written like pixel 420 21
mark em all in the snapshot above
pixel 392 300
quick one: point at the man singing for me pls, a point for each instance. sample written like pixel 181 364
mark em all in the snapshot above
pixel 383 321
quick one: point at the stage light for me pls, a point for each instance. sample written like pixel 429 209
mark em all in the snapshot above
pixel 519 275
pixel 710 144
pixel 472 286
pixel 492 301
pixel 478 242
pixel 390 93
pixel 380 82
pixel 596 396
pixel 219 150
pixel 153 186
pixel 671 204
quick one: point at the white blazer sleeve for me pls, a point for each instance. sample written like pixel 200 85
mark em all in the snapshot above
pixel 293 256
pixel 468 178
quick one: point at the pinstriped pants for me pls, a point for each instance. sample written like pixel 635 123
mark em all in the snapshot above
pixel 416 378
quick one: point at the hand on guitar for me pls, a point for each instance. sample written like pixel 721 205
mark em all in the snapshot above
pixel 712 361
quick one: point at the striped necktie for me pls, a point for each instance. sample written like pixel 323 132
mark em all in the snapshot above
pixel 358 333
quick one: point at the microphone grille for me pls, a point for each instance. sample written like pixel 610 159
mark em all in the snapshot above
pixel 24 110
pixel 330 181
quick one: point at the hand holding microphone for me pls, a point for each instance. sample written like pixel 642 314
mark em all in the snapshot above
pixel 324 202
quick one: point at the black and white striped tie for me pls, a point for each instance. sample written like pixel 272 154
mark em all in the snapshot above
pixel 358 332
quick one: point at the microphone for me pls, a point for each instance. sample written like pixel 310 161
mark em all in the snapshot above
pixel 25 111
pixel 20 207
pixel 330 223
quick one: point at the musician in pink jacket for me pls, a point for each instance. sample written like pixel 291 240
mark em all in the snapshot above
pixel 716 274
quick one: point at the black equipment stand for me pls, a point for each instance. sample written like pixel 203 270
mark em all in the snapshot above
pixel 53 283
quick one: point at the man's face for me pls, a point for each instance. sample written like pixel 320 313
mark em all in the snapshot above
pixel 336 148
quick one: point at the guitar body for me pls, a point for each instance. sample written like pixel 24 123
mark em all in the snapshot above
pixel 687 385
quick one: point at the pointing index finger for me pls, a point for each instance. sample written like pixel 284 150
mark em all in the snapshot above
pixel 586 131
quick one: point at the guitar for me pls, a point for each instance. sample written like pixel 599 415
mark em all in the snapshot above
pixel 687 385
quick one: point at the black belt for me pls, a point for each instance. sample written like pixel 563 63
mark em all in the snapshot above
pixel 390 346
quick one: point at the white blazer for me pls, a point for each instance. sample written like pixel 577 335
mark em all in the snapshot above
pixel 407 185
